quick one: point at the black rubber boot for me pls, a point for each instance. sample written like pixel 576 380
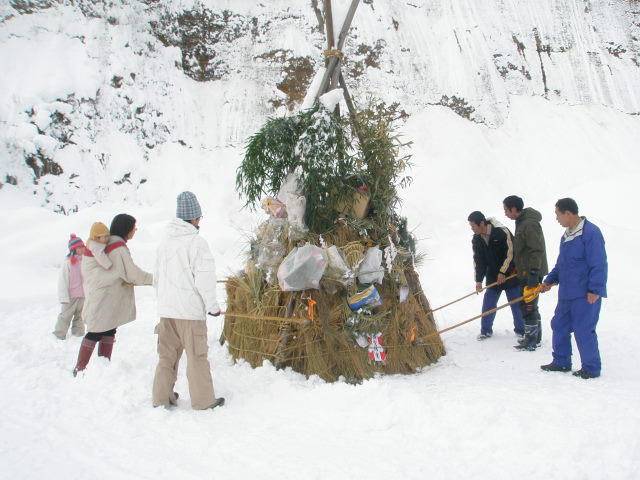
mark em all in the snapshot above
pixel 530 341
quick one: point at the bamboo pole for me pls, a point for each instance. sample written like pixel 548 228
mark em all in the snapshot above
pixel 328 18
pixel 334 60
pixel 314 4
pixel 472 293
pixel 284 333
pixel 421 340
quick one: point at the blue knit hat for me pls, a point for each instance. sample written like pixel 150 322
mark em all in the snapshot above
pixel 188 207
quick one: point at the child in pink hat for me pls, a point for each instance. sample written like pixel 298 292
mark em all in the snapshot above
pixel 70 291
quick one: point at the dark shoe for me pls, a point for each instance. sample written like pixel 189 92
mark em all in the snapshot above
pixel 552 367
pixel 172 402
pixel 584 374
pixel 484 336
pixel 218 403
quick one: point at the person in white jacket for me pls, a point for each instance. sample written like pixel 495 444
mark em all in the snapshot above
pixel 185 281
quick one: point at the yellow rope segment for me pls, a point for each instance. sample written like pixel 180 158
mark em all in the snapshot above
pixel 334 53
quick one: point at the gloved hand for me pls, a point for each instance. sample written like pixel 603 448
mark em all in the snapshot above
pixel 214 314
pixel 533 279
pixel 530 293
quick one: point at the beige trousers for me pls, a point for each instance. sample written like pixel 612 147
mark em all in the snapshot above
pixel 70 314
pixel 174 336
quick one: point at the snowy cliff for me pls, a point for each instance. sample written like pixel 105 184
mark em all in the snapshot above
pixel 95 93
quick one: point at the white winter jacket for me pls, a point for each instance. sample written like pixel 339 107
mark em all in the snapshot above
pixel 185 274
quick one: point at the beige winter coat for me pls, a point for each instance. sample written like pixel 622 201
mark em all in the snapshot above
pixel 110 303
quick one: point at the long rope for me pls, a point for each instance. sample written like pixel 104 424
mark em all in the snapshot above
pixel 306 320
pixel 266 317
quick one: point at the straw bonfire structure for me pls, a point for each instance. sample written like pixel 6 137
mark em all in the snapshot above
pixel 330 286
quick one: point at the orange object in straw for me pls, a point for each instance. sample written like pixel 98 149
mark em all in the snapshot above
pixel 311 302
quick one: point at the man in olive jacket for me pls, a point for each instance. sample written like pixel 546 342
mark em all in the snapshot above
pixel 531 264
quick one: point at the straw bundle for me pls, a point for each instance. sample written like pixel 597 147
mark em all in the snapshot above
pixel 327 346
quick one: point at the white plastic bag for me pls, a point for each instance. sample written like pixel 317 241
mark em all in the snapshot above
pixel 337 268
pixel 370 270
pixel 291 195
pixel 302 269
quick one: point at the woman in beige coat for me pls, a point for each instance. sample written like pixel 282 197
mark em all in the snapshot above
pixel 109 297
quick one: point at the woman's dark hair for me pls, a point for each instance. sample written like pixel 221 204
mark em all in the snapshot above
pixel 122 225
pixel 565 204
pixel 476 217
pixel 513 201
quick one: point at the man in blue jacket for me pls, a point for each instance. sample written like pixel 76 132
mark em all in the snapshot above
pixel 581 272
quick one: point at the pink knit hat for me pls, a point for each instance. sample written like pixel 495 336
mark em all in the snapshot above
pixel 75 242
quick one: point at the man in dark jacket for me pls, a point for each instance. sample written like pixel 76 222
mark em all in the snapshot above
pixel 492 245
pixel 531 264
pixel 581 272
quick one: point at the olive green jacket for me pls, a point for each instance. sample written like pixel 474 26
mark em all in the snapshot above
pixel 528 246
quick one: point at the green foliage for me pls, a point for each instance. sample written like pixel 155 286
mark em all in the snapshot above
pixel 270 156
pixel 316 146
pixel 324 160
pixel 382 159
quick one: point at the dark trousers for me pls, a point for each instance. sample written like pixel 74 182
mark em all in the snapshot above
pixel 490 301
pixel 97 336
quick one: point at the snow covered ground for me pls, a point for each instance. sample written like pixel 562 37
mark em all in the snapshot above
pixel 483 411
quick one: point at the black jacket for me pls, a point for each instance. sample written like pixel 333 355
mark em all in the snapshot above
pixel 496 257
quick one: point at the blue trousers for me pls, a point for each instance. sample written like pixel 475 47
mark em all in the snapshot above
pixel 581 318
pixel 490 302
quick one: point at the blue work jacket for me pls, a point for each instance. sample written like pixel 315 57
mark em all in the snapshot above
pixel 582 264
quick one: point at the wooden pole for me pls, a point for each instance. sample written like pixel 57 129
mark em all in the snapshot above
pixel 472 293
pixel 284 333
pixel 334 60
pixel 328 19
pixel 421 340
pixel 347 23
pixel 314 4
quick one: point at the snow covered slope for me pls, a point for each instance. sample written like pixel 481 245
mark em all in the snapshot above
pixel 484 411
pixel 93 90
